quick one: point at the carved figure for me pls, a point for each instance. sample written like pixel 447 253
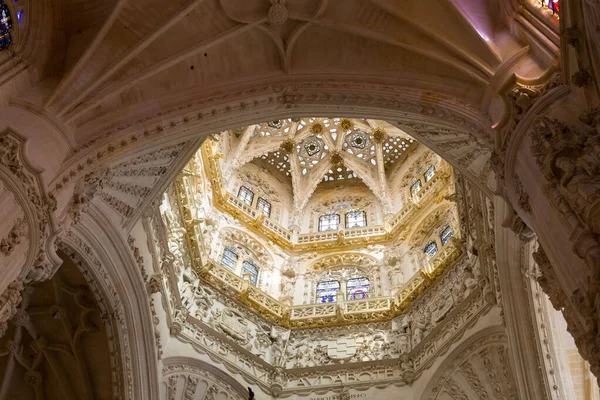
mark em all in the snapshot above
pixel 419 328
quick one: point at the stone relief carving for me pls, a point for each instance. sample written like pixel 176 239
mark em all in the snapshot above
pixel 188 379
pixel 49 360
pixel 479 371
pixel 570 162
pixel 14 237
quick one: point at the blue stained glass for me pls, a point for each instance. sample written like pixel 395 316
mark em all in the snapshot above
pixel 5 26
pixel 446 235
pixel 249 267
pixel 357 288
pixel 431 249
pixel 327 291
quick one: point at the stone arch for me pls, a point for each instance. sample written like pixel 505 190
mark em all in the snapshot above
pixel 452 129
pixel 46 360
pixel 478 368
pixel 118 286
pixel 187 378
pixel 26 244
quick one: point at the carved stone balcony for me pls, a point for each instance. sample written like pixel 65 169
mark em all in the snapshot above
pixel 341 312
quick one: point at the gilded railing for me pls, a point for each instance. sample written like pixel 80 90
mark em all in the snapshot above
pixel 256 221
pixel 342 312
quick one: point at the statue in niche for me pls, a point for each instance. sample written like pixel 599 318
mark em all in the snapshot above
pixel 187 293
pixel 401 327
pixel 470 281
pixel 419 327
pixel 288 281
pixel 277 349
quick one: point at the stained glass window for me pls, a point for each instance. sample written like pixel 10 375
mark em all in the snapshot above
pixel 431 249
pixel 249 267
pixel 5 26
pixel 429 173
pixel 263 205
pixel 327 291
pixel 415 187
pixel 552 5
pixel 229 258
pixel 356 219
pixel 246 195
pixel 329 222
pixel 446 235
pixel 357 288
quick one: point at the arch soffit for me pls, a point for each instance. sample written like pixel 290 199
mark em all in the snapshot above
pixel 173 365
pixel 109 269
pixel 451 128
pixel 479 340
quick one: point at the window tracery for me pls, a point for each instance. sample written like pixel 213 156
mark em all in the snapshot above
pixel 246 195
pixel 327 291
pixel 329 222
pixel 431 249
pixel 429 173
pixel 249 268
pixel 237 260
pixel 358 288
pixel 229 258
pixel 394 148
pixel 415 187
pixel 356 219
pixel 353 283
pixel 264 206
pixel 446 235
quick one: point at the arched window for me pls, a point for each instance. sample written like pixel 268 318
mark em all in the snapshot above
pixel 357 288
pixel 415 187
pixel 327 291
pixel 229 258
pixel 263 205
pixel 249 267
pixel 356 219
pixel 446 235
pixel 329 222
pixel 431 249
pixel 246 195
pixel 5 26
pixel 429 173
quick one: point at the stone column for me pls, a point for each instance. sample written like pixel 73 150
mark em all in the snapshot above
pixel 518 320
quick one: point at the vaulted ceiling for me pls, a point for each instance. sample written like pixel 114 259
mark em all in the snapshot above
pixel 120 55
pixel 304 152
